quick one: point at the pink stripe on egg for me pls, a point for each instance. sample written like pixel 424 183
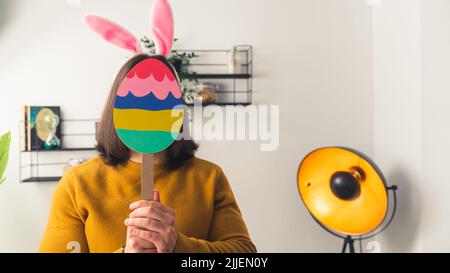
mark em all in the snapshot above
pixel 142 87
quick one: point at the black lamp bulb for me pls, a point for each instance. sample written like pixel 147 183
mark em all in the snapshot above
pixel 345 186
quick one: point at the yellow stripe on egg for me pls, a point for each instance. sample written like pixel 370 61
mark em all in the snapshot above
pixel 145 120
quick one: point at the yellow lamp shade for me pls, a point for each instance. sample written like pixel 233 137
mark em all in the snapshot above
pixel 343 190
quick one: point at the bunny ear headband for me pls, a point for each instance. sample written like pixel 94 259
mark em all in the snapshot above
pixel 161 30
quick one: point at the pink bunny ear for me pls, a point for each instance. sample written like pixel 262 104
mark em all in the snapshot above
pixel 113 33
pixel 162 27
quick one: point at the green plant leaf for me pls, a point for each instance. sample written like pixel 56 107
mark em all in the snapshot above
pixel 175 57
pixel 5 142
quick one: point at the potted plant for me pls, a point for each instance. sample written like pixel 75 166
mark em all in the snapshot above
pixel 180 61
pixel 5 141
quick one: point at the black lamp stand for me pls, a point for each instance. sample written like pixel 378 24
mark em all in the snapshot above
pixel 348 241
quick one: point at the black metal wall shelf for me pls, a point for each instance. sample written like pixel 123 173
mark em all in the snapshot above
pixel 224 76
pixel 42 179
pixel 221 104
pixel 233 76
pixel 31 161
pixel 60 150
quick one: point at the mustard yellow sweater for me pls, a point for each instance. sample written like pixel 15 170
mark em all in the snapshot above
pixel 91 203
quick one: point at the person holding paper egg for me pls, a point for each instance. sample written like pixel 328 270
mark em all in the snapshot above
pixel 98 205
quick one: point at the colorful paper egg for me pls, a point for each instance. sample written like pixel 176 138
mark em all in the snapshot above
pixel 148 108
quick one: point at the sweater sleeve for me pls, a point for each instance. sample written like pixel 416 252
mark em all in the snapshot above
pixel 227 233
pixel 65 227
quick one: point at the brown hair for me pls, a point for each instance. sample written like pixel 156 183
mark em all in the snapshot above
pixel 111 148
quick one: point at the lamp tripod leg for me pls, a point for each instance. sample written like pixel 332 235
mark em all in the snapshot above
pixel 351 245
pixel 345 246
pixel 350 242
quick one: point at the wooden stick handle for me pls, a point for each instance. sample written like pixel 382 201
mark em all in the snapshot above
pixel 147 177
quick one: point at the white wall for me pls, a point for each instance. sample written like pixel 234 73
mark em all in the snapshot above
pixel 313 58
pixel 398 114
pixel 412 60
pixel 436 132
